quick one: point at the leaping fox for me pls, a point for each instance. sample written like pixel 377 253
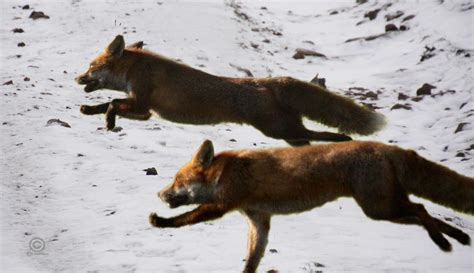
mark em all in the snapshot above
pixel 179 93
pixel 263 182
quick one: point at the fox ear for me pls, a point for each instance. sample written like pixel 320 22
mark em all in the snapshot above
pixel 136 45
pixel 115 48
pixel 204 155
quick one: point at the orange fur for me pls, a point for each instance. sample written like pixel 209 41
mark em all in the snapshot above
pixel 264 182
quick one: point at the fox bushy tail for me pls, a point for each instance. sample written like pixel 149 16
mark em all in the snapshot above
pixel 439 184
pixel 319 104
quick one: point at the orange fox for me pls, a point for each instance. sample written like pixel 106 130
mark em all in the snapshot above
pixel 263 182
pixel 179 93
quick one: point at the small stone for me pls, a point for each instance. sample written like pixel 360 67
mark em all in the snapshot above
pixel 151 171
pixel 392 16
pixel 38 15
pixel 391 27
pixel 21 44
pixel 302 52
pixel 10 82
pixel 26 79
pixel 425 89
pixel 232 140
pixel 408 17
pixel 372 14
pixel 18 30
pixel 56 121
pixel 272 250
pixel 460 127
pixel 402 96
pixel 403 28
pixel 26 7
pixel 401 106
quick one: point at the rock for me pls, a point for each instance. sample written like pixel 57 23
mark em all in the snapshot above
pixel 408 17
pixel 302 52
pixel 150 171
pixel 392 16
pixel 425 89
pixel 298 56
pixel 372 14
pixel 361 1
pixel 463 52
pixel 402 96
pixel 21 44
pixel 18 30
pixel 391 27
pixel 334 12
pixel 56 121
pixel 365 38
pixel 10 82
pixel 26 79
pixel 460 127
pixel 272 250
pixel 403 28
pixel 241 69
pixel 26 7
pixel 401 106
pixel 38 15
pixel 429 53
pixel 267 41
pixel 111 213
pixel 254 45
pixel 232 140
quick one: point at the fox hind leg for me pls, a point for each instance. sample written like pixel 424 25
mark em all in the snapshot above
pixel 417 214
pixel 289 127
pixel 392 204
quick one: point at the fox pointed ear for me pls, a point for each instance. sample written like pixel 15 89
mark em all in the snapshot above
pixel 115 48
pixel 204 155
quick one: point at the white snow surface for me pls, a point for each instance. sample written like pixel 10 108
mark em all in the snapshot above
pixel 82 189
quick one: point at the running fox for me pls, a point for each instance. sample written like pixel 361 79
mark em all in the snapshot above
pixel 263 182
pixel 179 93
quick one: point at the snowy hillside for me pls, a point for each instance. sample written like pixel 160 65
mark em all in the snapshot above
pixel 83 191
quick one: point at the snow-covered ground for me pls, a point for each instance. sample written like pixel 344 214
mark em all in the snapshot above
pixel 82 189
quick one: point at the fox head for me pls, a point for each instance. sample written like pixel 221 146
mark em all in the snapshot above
pixel 195 182
pixel 107 69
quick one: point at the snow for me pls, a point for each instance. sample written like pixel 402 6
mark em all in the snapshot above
pixel 82 189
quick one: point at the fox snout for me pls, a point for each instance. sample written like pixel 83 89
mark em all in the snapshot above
pixel 92 84
pixel 81 79
pixel 173 199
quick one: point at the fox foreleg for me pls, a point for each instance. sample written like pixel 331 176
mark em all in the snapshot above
pixel 94 109
pixel 259 226
pixel 200 214
pixel 127 108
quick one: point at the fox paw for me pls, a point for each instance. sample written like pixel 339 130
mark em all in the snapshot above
pixel 110 125
pixel 156 220
pixel 87 110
